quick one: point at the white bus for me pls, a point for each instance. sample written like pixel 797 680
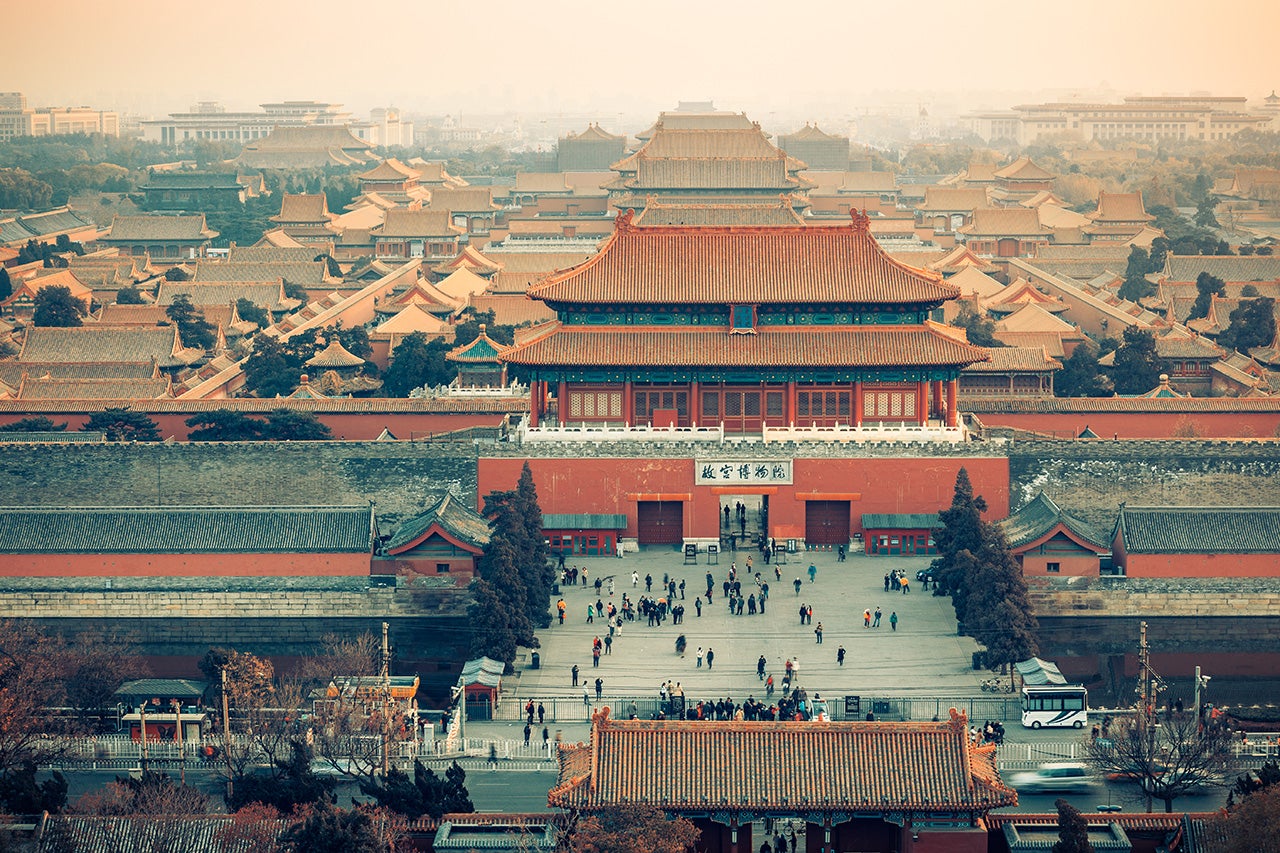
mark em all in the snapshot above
pixel 1054 705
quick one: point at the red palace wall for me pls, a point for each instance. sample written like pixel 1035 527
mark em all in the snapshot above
pixel 183 565
pixel 345 427
pixel 1220 424
pixel 1202 565
pixel 881 485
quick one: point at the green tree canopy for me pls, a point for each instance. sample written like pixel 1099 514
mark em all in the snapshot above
pixel 291 425
pixel 268 372
pixel 1073 830
pixel 121 424
pixel 37 423
pixel 329 830
pixel 1080 375
pixel 223 425
pixel 6 284
pixel 176 274
pixel 980 328
pixel 293 785
pixel 21 794
pixel 1136 286
pixel 55 306
pixel 416 362
pixel 1205 216
pixel 193 328
pixel 424 794
pixel 1207 287
pixel 1137 368
pixel 129 295
pixel 1253 324
pixel 252 313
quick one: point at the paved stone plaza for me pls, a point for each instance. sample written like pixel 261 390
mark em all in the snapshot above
pixel 923 657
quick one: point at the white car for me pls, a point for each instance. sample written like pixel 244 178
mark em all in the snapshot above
pixel 1056 776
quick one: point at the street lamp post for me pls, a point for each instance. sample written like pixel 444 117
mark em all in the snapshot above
pixel 1202 682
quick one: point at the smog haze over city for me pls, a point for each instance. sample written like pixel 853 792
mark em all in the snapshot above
pixel 779 62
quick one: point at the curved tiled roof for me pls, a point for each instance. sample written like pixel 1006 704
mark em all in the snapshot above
pixel 1040 516
pixel 772 346
pixel 452 516
pixel 482 350
pixel 1200 530
pixel 883 767
pixel 1016 358
pixel 335 355
pixel 747 264
pixel 186 530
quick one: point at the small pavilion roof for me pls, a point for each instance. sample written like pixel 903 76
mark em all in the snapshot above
pixel 390 169
pixel 1033 318
pixel 1023 169
pixel 412 318
pixel 1022 292
pixel 335 356
pixel 452 516
pixel 1040 516
pixel 462 283
pixel 971 281
pixel 1120 207
pixel 483 350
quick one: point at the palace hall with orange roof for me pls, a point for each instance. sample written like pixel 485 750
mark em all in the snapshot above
pixel 742 344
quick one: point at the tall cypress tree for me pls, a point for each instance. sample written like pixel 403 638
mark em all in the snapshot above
pixel 539 575
pixel 961 531
pixel 491 632
pixel 997 610
pixel 506 509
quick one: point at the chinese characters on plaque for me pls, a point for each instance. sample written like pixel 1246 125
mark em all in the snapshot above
pixel 738 472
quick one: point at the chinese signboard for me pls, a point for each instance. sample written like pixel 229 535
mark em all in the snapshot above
pixel 736 472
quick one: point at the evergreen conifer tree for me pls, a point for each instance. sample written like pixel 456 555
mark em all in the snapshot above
pixel 960 531
pixel 997 610
pixel 1073 830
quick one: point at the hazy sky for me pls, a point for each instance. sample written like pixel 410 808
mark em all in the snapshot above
pixel 828 58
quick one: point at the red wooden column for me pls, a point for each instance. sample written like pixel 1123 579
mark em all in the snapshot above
pixel 936 410
pixel 953 405
pixel 535 402
pixel 792 405
pixel 922 403
pixel 628 404
pixel 857 404
pixel 695 404
pixel 562 402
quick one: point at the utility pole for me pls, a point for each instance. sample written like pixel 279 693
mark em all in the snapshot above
pixel 1146 695
pixel 226 733
pixel 142 721
pixel 1202 681
pixel 386 703
pixel 182 754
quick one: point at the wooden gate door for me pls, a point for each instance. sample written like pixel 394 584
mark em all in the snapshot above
pixel 660 522
pixel 826 522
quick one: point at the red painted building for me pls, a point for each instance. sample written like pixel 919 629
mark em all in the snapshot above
pixel 445 540
pixel 818 499
pixel 174 541
pixel 743 329
pixel 1047 541
pixel 1197 542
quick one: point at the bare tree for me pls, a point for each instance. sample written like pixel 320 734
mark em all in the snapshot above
pixel 1168 755
pixel 31 670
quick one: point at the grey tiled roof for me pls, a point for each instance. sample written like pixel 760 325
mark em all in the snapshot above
pixel 455 518
pixel 1200 530
pixel 1039 517
pixel 1225 267
pixel 94 834
pixel 900 521
pixel 186 529
pixel 304 273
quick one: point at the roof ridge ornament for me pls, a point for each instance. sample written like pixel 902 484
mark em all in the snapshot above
pixel 623 221
pixel 861 220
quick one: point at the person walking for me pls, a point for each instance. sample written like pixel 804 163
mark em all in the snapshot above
pixel 893 620
pixel 804 608
pixel 682 589
pixel 591 614
pixel 808 614
pixel 595 658
pixel 635 579
pixel 546 736
pixel 608 644
pixel 575 675
pixel 906 585
pixel 599 688
pixel 711 656
pixel 699 657
pixel 866 619
pixel 542 713
pixel 840 656
pixel 528 730
pixel 760 668
pixel 697 606
pixel 648 582
pixel 813 572
pixel 876 623
pixel 586 698
pixel 817 632
pixel 796 584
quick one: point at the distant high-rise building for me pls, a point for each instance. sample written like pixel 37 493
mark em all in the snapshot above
pixel 210 120
pixel 17 119
pixel 1146 118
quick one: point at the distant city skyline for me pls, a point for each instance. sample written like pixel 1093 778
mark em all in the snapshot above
pixel 819 60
